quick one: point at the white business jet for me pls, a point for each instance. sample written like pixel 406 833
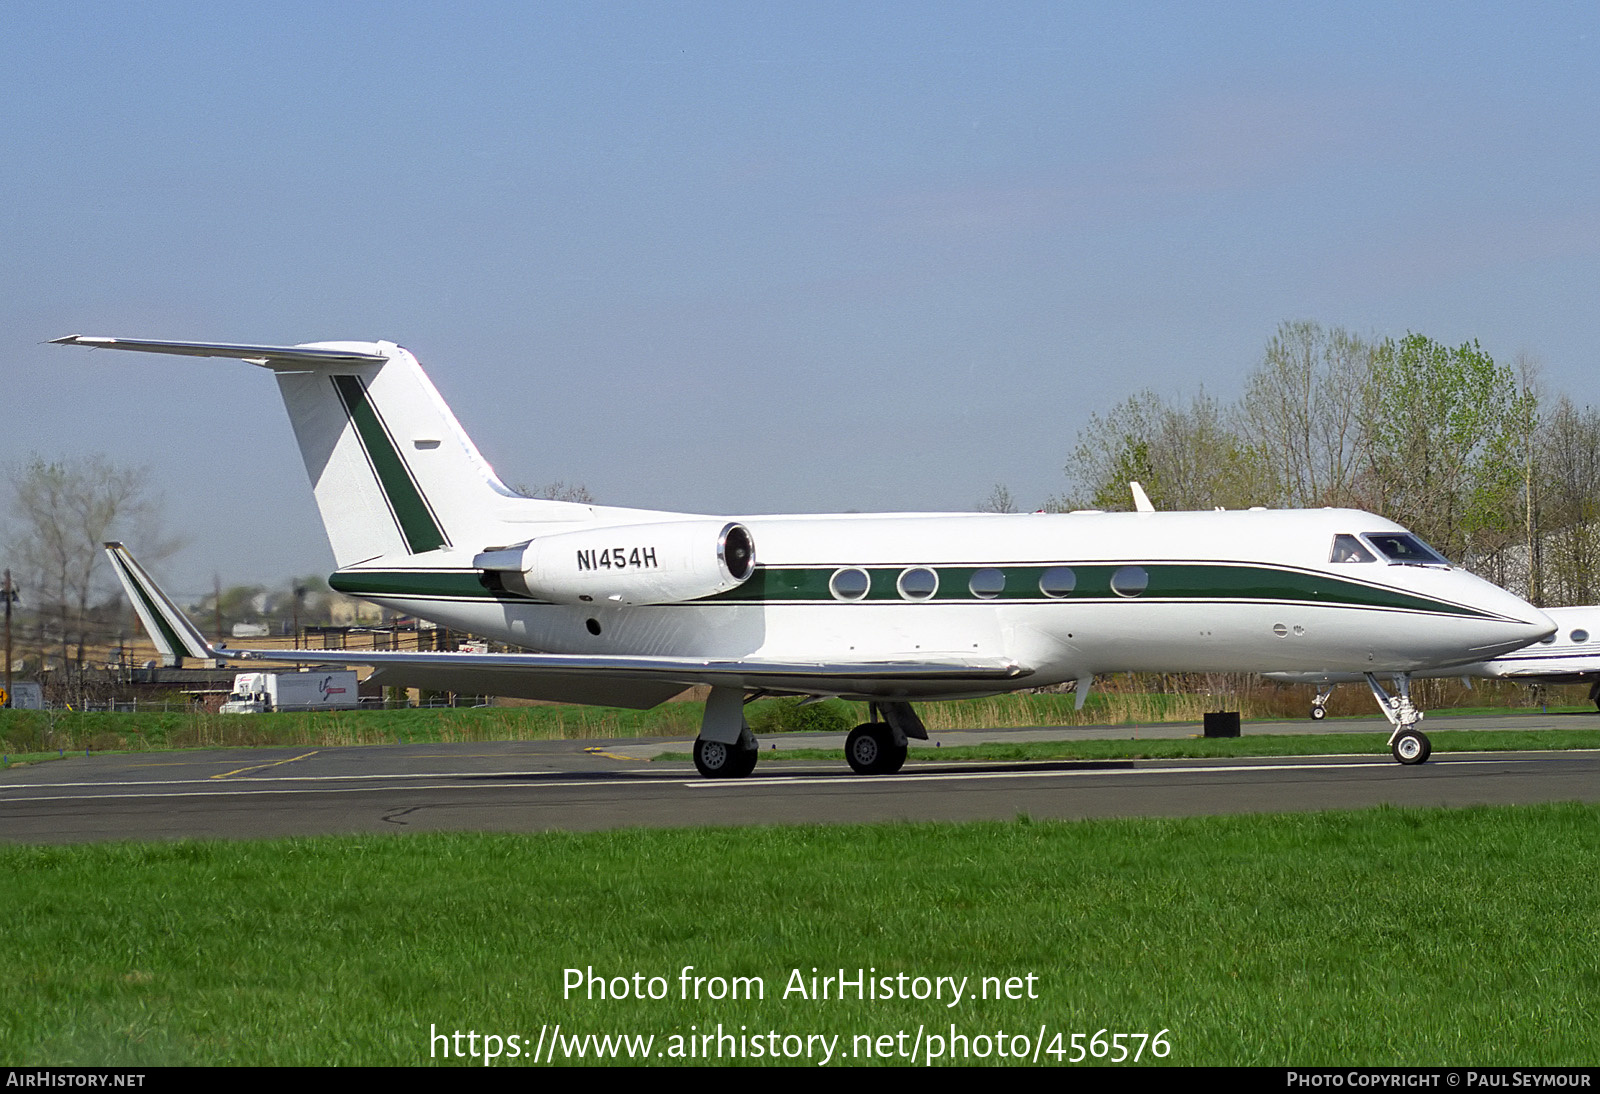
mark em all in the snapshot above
pixel 628 607
pixel 1569 655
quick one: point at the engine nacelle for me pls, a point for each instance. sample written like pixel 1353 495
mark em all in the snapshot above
pixel 624 564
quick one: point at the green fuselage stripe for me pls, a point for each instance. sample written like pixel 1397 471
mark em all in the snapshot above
pixel 417 524
pixel 434 584
pixel 1168 582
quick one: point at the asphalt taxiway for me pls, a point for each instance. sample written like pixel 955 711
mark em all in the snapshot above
pixel 587 785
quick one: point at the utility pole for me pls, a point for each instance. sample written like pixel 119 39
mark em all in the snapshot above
pixel 9 594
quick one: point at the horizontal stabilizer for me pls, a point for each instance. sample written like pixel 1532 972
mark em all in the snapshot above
pixel 261 355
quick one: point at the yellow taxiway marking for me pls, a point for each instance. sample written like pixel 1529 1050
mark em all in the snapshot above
pixel 610 755
pixel 260 767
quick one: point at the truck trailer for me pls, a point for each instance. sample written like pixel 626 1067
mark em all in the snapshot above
pixel 260 692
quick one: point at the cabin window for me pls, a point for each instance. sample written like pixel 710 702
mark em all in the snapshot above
pixel 1548 640
pixel 1347 548
pixel 1580 636
pixel 1057 581
pixel 849 583
pixel 1130 581
pixel 987 584
pixel 917 583
pixel 1405 549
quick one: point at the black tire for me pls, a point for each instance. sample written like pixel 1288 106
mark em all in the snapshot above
pixel 1412 747
pixel 744 762
pixel 870 750
pixel 715 760
pixel 1318 713
pixel 893 759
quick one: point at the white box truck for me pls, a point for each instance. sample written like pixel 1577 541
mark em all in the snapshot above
pixel 259 692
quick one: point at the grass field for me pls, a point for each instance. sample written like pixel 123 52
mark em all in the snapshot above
pixel 1390 937
pixel 1387 937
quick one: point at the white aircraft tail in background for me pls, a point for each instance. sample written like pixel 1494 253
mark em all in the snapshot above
pixel 628 607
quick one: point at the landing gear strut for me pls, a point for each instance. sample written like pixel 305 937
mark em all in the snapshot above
pixel 1407 743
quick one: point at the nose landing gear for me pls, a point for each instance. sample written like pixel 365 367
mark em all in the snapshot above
pixel 1408 744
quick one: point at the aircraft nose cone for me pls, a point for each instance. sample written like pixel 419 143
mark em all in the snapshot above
pixel 1518 624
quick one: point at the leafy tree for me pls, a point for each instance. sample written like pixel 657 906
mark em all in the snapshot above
pixel 1443 443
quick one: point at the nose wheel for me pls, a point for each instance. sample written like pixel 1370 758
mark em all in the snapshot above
pixel 1411 746
pixel 1319 705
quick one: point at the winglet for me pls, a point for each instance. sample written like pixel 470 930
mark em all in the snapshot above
pixel 1141 500
pixel 168 627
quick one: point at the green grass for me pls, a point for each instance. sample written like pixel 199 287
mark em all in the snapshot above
pixel 1116 700
pixel 1385 937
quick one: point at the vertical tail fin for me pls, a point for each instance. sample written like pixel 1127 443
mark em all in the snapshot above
pixel 393 471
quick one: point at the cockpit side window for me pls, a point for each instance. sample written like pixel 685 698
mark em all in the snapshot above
pixel 1349 549
pixel 1405 548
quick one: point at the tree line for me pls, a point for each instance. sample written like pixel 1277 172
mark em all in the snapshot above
pixel 1443 439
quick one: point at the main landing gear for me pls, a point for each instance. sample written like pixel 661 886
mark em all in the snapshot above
pixel 1407 743
pixel 716 760
pixel 879 747
pixel 726 749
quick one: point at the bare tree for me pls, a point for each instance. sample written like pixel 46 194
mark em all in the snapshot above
pixel 1302 410
pixel 999 500
pixel 1568 469
pixel 63 511
pixel 1185 457
pixel 559 490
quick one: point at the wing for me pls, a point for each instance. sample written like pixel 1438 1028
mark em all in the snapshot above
pixel 630 681
pixel 645 681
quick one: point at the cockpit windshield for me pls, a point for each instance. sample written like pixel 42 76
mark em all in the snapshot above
pixel 1347 548
pixel 1405 548
pixel 1400 548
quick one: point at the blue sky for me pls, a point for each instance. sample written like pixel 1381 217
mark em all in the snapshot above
pixel 741 258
